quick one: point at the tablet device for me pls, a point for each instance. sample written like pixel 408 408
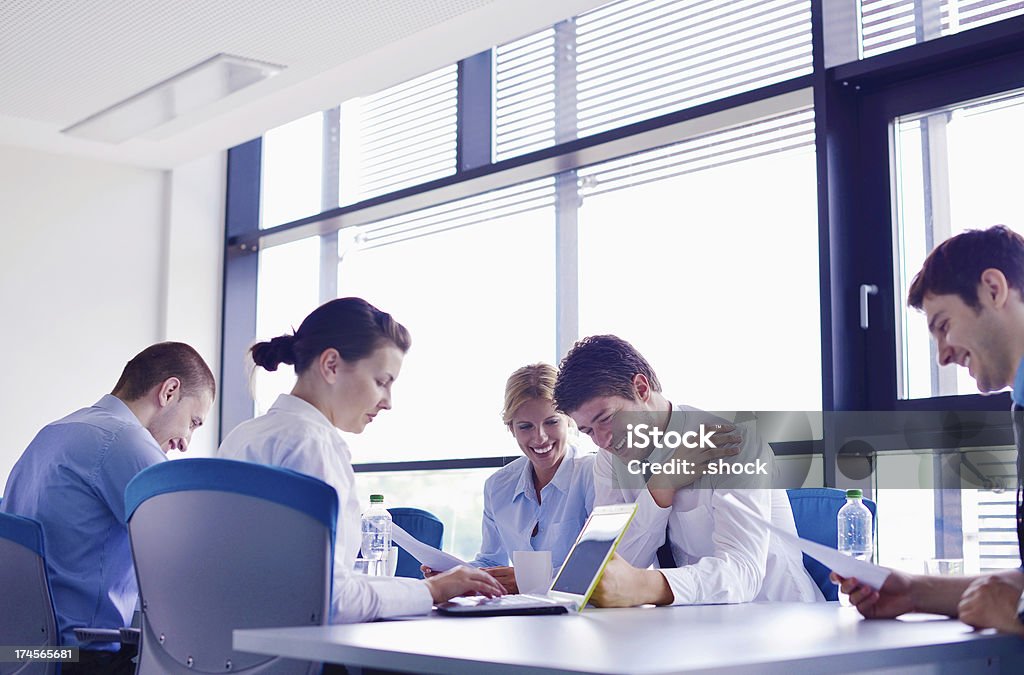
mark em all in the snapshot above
pixel 575 581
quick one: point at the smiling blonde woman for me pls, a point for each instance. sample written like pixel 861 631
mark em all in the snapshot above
pixel 540 501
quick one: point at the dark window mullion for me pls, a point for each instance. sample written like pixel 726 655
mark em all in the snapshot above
pixel 474 125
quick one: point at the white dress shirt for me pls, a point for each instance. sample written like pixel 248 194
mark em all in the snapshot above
pixel 511 509
pixel 295 435
pixel 721 556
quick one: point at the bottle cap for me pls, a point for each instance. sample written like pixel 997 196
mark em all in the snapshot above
pixel 376 499
pixel 850 494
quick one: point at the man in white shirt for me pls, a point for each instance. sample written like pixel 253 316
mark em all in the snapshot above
pixel 715 553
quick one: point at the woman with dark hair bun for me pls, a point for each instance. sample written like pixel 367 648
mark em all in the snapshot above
pixel 347 354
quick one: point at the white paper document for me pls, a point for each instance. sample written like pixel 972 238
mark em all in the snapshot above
pixel 843 565
pixel 439 561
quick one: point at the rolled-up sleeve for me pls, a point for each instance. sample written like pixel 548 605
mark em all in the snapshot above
pixel 735 571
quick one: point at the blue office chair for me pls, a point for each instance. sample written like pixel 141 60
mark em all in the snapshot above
pixel 27 619
pixel 815 511
pixel 422 525
pixel 221 545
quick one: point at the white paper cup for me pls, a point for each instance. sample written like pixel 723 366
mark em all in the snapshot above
pixel 533 571
pixel 945 567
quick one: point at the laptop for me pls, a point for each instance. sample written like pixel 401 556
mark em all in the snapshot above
pixel 576 580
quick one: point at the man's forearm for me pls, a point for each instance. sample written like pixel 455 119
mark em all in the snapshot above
pixel 938 595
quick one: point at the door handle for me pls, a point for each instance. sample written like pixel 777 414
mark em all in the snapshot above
pixel 865 291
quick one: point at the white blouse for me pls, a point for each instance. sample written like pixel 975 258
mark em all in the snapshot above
pixel 295 435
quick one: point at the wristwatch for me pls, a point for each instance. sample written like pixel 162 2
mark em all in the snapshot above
pixel 1020 608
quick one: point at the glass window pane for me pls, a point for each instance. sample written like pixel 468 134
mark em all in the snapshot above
pixel 975 522
pixel 474 282
pixel 956 169
pixel 402 136
pixel 455 496
pixel 287 290
pixel 291 171
pixel 704 255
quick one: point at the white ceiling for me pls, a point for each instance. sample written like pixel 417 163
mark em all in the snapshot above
pixel 64 61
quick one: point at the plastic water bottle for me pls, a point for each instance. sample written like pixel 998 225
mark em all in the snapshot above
pixel 376 531
pixel 854 521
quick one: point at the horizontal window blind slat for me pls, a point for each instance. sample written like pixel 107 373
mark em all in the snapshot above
pixel 655 105
pixel 429 147
pixel 635 59
pixel 476 210
pixel 390 97
pixel 789 131
pixel 887 25
pixel 512 49
pixel 692 70
pixel 708 33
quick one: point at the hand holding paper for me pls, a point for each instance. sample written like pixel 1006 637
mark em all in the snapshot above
pixel 841 564
pixel 439 561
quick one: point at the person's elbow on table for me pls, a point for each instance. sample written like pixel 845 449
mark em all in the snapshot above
pixel 623 585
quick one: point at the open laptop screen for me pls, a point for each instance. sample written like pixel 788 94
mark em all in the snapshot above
pixel 591 549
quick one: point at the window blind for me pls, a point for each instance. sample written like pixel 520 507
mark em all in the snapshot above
pixel 776 134
pixel 480 209
pixel 635 59
pixel 891 24
pixel 399 137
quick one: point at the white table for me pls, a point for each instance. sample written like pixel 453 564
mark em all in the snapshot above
pixel 756 638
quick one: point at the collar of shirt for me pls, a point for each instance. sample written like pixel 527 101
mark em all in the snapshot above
pixel 297 406
pixel 118 409
pixel 1018 385
pixel 677 422
pixel 561 480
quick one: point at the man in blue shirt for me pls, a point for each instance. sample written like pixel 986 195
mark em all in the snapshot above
pixel 971 287
pixel 72 478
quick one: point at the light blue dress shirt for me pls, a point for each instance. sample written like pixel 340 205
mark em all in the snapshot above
pixel 511 510
pixel 1018 385
pixel 71 479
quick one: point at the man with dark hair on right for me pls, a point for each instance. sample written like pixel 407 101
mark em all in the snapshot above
pixel 971 287
pixel 72 478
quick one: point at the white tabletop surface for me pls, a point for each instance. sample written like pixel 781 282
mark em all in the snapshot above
pixel 751 638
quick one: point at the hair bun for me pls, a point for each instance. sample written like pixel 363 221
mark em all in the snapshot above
pixel 269 355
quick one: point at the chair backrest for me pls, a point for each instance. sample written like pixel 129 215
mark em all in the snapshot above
pixel 815 511
pixel 27 618
pixel 220 545
pixel 425 527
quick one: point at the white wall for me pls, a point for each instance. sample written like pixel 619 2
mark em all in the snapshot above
pixel 193 263
pixel 97 261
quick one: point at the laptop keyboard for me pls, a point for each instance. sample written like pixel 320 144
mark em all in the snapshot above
pixel 514 600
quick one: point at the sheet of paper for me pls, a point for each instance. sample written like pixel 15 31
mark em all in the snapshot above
pixel 439 561
pixel 841 564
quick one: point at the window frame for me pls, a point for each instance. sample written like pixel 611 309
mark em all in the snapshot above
pixel 851 141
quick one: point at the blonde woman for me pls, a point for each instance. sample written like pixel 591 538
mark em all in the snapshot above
pixel 540 501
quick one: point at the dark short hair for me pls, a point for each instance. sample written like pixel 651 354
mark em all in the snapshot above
pixel 600 365
pixel 352 326
pixel 156 363
pixel 955 266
